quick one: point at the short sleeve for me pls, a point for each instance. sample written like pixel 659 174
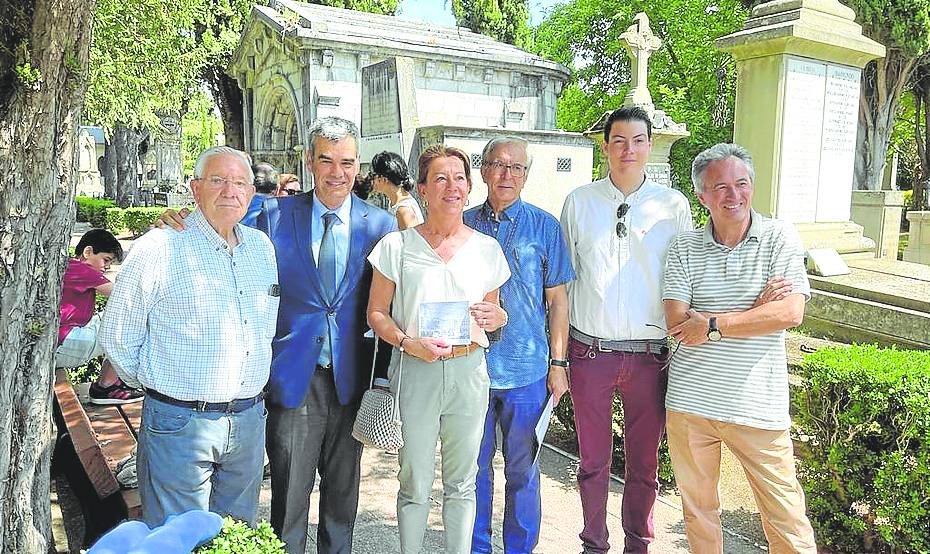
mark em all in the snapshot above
pixel 788 258
pixel 677 284
pixel 385 256
pixel 559 268
pixel 81 277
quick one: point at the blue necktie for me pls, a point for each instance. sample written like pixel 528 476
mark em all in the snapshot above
pixel 327 266
pixel 327 260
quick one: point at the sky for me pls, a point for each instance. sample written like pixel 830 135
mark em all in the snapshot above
pixel 440 11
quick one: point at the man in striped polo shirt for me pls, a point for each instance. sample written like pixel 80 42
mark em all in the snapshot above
pixel 731 289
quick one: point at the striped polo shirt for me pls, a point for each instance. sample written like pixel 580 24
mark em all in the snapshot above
pixel 734 380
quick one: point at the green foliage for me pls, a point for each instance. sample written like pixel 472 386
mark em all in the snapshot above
pixel 113 220
pixel 503 20
pixel 27 75
pixel 93 210
pixel 564 412
pixel 902 25
pixel 689 78
pixel 144 59
pixel 237 537
pixel 865 464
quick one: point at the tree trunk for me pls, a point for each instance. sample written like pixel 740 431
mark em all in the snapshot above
pixel 882 83
pixel 107 168
pixel 228 99
pixel 38 166
pixel 921 92
pixel 126 150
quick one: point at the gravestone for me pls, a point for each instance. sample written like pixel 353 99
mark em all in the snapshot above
pixel 640 42
pixel 389 107
pixel 799 63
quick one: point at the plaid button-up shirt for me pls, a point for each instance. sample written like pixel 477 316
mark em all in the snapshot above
pixel 191 318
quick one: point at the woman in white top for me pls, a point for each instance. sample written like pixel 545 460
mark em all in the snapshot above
pixel 389 177
pixel 434 296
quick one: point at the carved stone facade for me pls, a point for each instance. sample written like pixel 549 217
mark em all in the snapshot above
pixel 297 62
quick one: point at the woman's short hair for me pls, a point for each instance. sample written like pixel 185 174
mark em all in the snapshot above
pixel 393 168
pixel 436 152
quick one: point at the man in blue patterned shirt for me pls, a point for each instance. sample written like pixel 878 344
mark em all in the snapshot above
pixel 525 365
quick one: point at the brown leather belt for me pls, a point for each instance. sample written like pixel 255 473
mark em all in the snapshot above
pixel 459 351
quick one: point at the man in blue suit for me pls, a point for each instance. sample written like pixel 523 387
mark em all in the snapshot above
pixel 320 360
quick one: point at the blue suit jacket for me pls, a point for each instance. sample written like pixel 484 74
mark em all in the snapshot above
pixel 304 311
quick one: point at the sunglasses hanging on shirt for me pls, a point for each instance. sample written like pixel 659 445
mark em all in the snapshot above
pixel 622 210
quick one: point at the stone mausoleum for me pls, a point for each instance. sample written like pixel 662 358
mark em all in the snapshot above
pixel 297 62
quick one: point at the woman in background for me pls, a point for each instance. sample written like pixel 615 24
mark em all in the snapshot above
pixel 389 177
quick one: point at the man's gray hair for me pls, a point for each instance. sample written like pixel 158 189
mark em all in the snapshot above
pixel 334 129
pixel 240 156
pixel 716 153
pixel 497 142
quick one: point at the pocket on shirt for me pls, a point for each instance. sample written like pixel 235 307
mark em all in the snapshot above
pixel 267 311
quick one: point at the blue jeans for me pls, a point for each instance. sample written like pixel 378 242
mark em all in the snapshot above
pixel 517 411
pixel 199 460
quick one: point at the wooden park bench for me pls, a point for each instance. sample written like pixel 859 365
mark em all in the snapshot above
pixel 101 436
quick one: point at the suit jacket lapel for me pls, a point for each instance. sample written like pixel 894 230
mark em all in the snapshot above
pixel 303 220
pixel 358 238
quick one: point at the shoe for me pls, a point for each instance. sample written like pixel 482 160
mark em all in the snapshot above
pixel 117 393
pixel 126 472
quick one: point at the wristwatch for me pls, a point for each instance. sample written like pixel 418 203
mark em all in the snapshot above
pixel 713 333
pixel 559 363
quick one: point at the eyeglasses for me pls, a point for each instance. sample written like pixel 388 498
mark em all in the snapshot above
pixel 621 226
pixel 517 170
pixel 291 192
pixel 217 182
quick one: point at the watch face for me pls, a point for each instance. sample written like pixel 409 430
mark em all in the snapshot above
pixel 714 335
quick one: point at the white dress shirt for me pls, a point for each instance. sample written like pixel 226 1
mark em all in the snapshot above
pixel 191 318
pixel 618 291
pixel 340 233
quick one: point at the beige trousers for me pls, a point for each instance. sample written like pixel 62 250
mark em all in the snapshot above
pixel 767 458
pixel 443 401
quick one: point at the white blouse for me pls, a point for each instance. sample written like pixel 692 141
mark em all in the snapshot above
pixel 405 257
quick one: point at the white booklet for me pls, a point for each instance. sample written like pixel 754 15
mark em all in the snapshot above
pixel 542 425
pixel 446 320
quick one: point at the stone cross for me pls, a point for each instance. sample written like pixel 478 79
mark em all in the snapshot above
pixel 640 43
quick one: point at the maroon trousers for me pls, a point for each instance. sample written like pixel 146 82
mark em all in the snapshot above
pixel 640 379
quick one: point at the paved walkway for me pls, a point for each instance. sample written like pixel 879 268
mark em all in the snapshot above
pixel 376 529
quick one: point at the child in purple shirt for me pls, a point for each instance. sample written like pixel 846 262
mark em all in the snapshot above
pixel 77 331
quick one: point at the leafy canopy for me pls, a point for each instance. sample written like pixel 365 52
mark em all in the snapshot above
pixel 503 20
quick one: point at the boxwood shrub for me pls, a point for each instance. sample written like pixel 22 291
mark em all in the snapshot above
pixel 136 220
pixel 237 537
pixel 93 210
pixel 864 455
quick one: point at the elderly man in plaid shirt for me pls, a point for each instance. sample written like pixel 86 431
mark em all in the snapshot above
pixel 191 320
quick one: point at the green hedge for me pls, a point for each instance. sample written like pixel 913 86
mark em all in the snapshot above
pixel 92 210
pixel 564 412
pixel 864 458
pixel 237 537
pixel 136 220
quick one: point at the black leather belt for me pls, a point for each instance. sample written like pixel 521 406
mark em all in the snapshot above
pixel 648 346
pixel 233 406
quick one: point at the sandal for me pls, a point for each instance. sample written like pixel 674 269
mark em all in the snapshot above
pixel 117 393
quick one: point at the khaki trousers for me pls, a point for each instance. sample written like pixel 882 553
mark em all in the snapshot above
pixel 443 401
pixel 767 458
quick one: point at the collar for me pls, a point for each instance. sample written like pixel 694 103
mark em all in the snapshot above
pixel 343 212
pixel 198 220
pixel 510 212
pixel 607 186
pixel 754 232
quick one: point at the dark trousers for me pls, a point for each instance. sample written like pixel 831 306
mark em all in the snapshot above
pixel 315 436
pixel 640 379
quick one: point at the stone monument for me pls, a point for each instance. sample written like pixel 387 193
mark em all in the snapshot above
pixel 88 179
pixel 640 42
pixel 799 64
pixel 389 107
